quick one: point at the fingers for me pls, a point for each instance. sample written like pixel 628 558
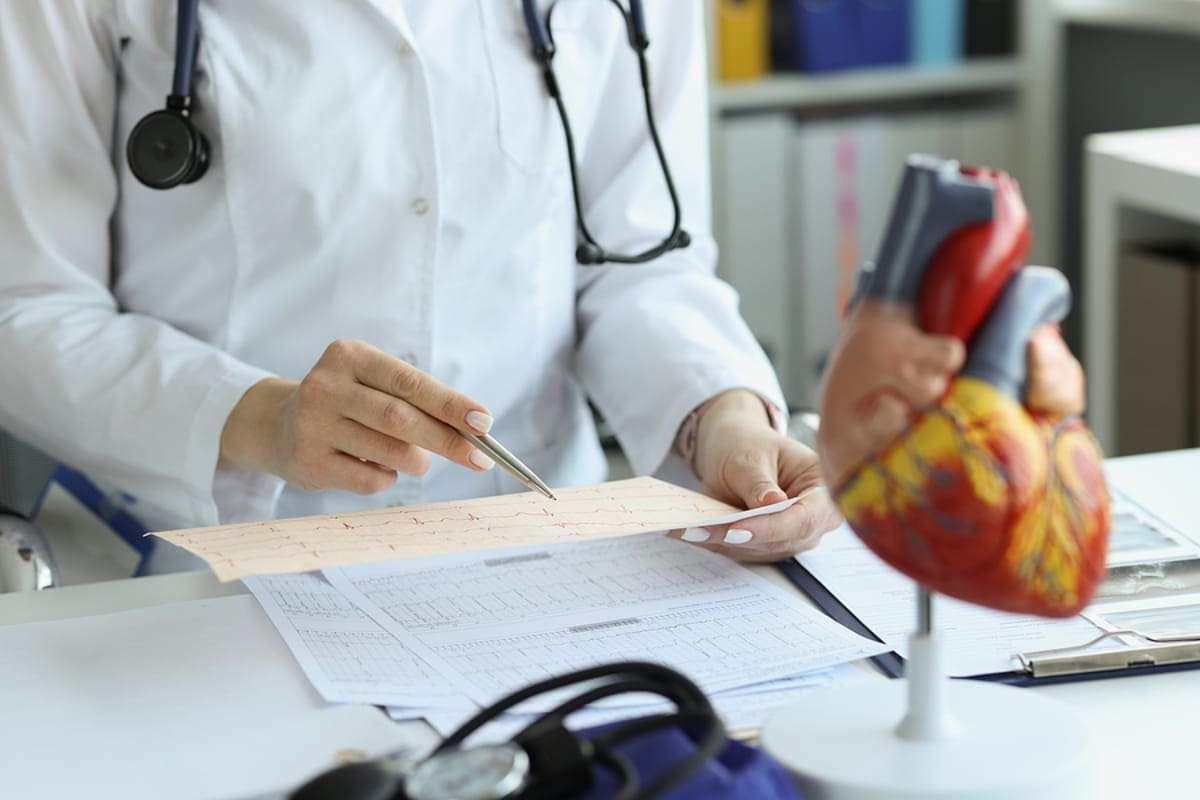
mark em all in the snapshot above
pixel 364 443
pixel 395 399
pixel 1055 382
pixel 394 377
pixel 934 360
pixel 401 421
pixel 340 471
pixel 771 537
pixel 940 353
pixel 357 419
pixel 751 476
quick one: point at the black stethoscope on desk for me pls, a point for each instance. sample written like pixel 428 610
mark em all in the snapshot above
pixel 166 149
pixel 546 761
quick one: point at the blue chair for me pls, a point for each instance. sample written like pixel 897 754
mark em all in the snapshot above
pixel 26 562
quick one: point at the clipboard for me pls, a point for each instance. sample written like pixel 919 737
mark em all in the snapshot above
pixel 1039 667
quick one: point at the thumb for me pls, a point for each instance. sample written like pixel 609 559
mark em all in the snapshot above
pixel 757 483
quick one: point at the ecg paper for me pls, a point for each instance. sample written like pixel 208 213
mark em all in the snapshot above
pixel 494 622
pixel 616 508
pixel 347 656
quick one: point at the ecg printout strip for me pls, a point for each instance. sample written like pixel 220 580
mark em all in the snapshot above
pixel 494 622
pixel 616 508
pixel 347 656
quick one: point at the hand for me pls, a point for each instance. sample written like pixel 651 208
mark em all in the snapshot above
pixel 1055 386
pixel 742 460
pixel 358 418
pixel 889 373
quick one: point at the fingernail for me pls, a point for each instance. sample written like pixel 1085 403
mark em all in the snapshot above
pixel 480 422
pixel 481 459
pixel 769 490
pixel 696 535
pixel 738 536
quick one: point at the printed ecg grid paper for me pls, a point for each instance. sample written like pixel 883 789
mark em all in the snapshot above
pixel 616 508
pixel 581 513
pixel 458 631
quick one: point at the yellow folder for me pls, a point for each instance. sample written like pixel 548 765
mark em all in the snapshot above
pixel 743 39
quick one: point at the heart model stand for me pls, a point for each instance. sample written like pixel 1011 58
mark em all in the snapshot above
pixel 961 739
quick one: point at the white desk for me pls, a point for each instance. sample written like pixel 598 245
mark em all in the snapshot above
pixel 1144 728
pixel 1155 172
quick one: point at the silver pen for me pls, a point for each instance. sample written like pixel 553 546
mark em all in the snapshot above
pixel 511 463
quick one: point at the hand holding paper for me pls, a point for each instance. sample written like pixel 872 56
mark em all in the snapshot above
pixel 742 459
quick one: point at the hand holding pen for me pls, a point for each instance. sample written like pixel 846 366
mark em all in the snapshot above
pixel 357 419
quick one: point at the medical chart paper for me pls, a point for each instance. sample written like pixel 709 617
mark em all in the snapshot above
pixel 1153 582
pixel 616 508
pixel 495 622
pixel 1153 586
pixel 977 641
pixel 347 656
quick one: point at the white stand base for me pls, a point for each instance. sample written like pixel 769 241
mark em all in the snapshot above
pixel 1007 743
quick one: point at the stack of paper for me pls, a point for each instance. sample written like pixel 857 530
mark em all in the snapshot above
pixel 439 638
pixel 443 635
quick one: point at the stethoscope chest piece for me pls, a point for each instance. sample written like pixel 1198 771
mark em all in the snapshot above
pixel 487 772
pixel 165 149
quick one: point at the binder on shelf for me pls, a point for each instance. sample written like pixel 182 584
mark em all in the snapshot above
pixel 823 218
pixel 991 28
pixel 815 35
pixel 828 35
pixel 884 27
pixel 755 217
pixel 984 136
pixel 742 39
pixel 936 32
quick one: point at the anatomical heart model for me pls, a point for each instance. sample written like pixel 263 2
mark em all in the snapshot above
pixel 984 485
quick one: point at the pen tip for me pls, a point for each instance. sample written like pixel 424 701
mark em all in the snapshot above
pixel 552 497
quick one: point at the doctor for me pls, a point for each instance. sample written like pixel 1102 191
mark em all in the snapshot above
pixel 381 247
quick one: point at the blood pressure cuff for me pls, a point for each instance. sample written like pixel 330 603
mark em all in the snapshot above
pixel 739 772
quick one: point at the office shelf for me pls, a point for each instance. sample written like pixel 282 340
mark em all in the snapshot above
pixel 799 91
pixel 1162 16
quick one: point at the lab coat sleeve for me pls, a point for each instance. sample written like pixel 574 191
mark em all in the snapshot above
pixel 658 339
pixel 135 403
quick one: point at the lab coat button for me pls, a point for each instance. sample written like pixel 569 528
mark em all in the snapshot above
pixel 420 206
pixel 405 48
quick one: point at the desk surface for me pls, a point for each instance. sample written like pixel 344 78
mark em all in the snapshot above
pixel 1180 17
pixel 1176 148
pixel 1143 728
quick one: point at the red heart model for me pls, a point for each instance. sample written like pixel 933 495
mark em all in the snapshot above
pixel 984 485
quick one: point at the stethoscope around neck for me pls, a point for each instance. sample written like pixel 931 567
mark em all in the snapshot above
pixel 166 149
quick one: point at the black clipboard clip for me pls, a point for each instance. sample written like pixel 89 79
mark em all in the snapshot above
pixel 1160 651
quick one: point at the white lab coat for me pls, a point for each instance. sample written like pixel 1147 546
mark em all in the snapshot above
pixel 391 171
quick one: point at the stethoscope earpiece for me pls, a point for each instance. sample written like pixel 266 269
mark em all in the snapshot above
pixel 166 149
